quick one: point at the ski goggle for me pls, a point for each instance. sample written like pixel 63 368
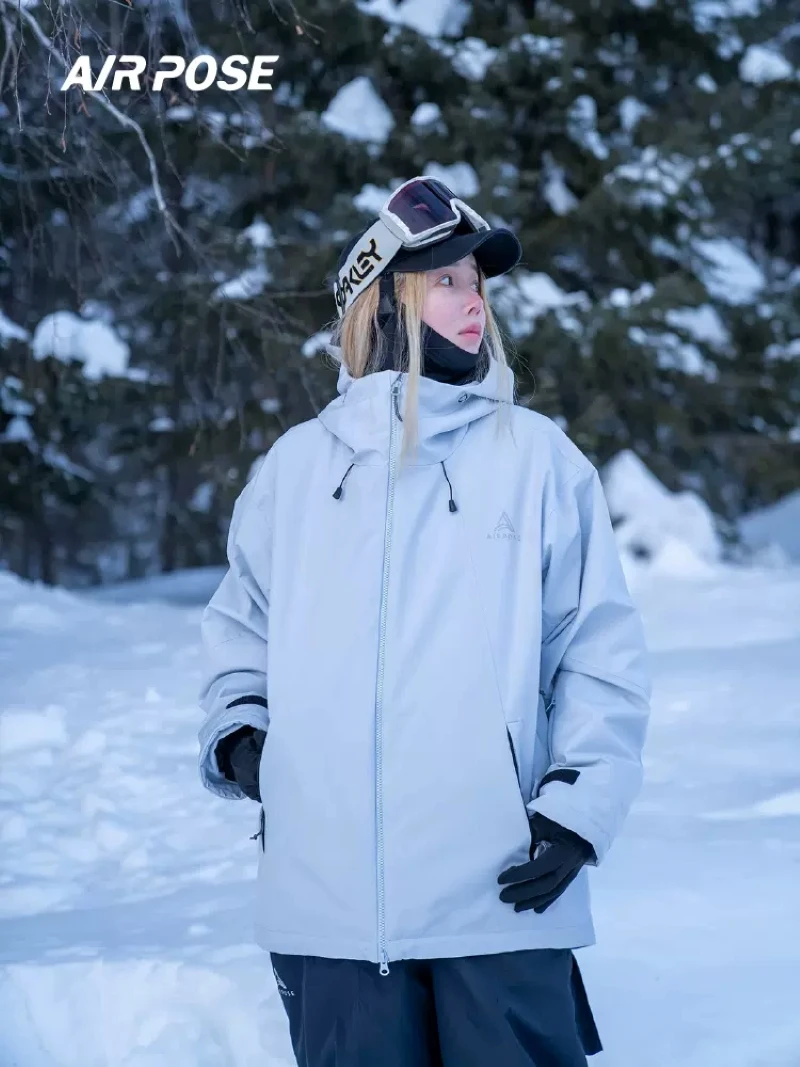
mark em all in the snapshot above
pixel 420 212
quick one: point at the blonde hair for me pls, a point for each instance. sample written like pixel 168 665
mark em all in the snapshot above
pixel 363 345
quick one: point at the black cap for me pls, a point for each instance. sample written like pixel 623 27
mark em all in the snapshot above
pixel 496 251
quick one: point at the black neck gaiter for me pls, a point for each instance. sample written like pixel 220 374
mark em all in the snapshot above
pixel 445 361
pixel 442 360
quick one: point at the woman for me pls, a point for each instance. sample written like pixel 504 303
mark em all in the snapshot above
pixel 424 663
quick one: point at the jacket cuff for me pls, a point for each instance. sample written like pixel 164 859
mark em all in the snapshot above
pixel 243 711
pixel 553 806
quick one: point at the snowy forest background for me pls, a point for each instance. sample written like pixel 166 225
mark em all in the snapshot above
pixel 165 258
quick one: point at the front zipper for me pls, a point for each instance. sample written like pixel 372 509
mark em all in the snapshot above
pixel 383 955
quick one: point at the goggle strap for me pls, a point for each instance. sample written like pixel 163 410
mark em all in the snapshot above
pixel 371 254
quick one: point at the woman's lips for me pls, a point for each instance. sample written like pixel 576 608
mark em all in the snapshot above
pixel 471 330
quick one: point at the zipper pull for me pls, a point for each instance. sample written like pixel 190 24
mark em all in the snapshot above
pixel 262 827
pixel 384 968
pixel 395 395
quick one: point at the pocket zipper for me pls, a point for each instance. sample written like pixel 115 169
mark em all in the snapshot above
pixel 514 757
pixel 261 824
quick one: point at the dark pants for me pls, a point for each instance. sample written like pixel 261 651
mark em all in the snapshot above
pixel 510 1009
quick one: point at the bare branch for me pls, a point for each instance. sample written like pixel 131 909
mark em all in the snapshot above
pixel 48 174
pixel 124 120
pixel 7 51
pixel 9 32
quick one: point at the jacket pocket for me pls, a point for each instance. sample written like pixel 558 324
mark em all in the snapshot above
pixel 515 760
pixel 542 756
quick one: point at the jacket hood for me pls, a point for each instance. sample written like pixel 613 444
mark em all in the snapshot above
pixel 359 415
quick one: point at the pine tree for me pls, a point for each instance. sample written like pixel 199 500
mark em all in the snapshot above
pixel 644 152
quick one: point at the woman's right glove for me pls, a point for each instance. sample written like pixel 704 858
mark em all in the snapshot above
pixel 239 756
pixel 556 856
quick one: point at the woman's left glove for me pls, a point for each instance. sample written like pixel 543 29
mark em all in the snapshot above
pixel 559 855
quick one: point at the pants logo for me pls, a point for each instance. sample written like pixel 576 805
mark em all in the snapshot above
pixel 283 989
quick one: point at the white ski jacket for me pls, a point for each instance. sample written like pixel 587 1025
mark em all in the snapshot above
pixel 404 653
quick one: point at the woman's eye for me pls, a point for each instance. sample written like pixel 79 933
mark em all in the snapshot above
pixel 446 277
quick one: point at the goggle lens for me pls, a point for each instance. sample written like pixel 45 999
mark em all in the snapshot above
pixel 422 205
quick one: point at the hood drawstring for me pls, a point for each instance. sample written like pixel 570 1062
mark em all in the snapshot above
pixel 452 506
pixel 339 488
pixel 337 493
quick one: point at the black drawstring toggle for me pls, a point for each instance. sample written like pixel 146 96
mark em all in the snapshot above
pixel 338 490
pixel 452 504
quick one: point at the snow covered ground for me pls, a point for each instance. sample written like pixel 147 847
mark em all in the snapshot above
pixel 126 890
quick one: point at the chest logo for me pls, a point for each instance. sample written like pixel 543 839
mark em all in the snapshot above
pixel 504 530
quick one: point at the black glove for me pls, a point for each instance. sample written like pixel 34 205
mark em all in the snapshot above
pixel 541 881
pixel 238 757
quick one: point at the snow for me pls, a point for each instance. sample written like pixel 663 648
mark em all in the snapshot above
pixel 460 177
pixel 425 114
pixel 706 83
pixel 710 10
pixel 655 179
pixel 356 111
pixel 127 895
pixel 202 498
pixel 21 730
pixel 538 46
pixel 253 280
pixel 780 351
pixel 316 344
pixel 95 344
pixel 555 191
pixel 761 65
pixel 624 298
pixel 631 113
pixel 187 587
pixel 161 424
pixel 675 353
pixel 249 283
pixel 776 807
pixel 472 58
pixel 135 208
pixel 728 272
pixel 9 331
pixel 675 532
pixel 582 126
pixel 179 113
pixel 703 323
pixel 431 18
pixel 17 429
pixel 775 525
pixel 259 234
pixel 523 296
pixel 371 198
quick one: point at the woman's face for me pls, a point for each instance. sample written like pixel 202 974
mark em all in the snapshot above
pixel 453 305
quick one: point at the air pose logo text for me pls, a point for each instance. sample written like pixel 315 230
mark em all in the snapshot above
pixel 169 68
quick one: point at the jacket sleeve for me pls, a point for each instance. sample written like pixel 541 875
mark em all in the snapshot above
pixel 234 637
pixel 594 666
